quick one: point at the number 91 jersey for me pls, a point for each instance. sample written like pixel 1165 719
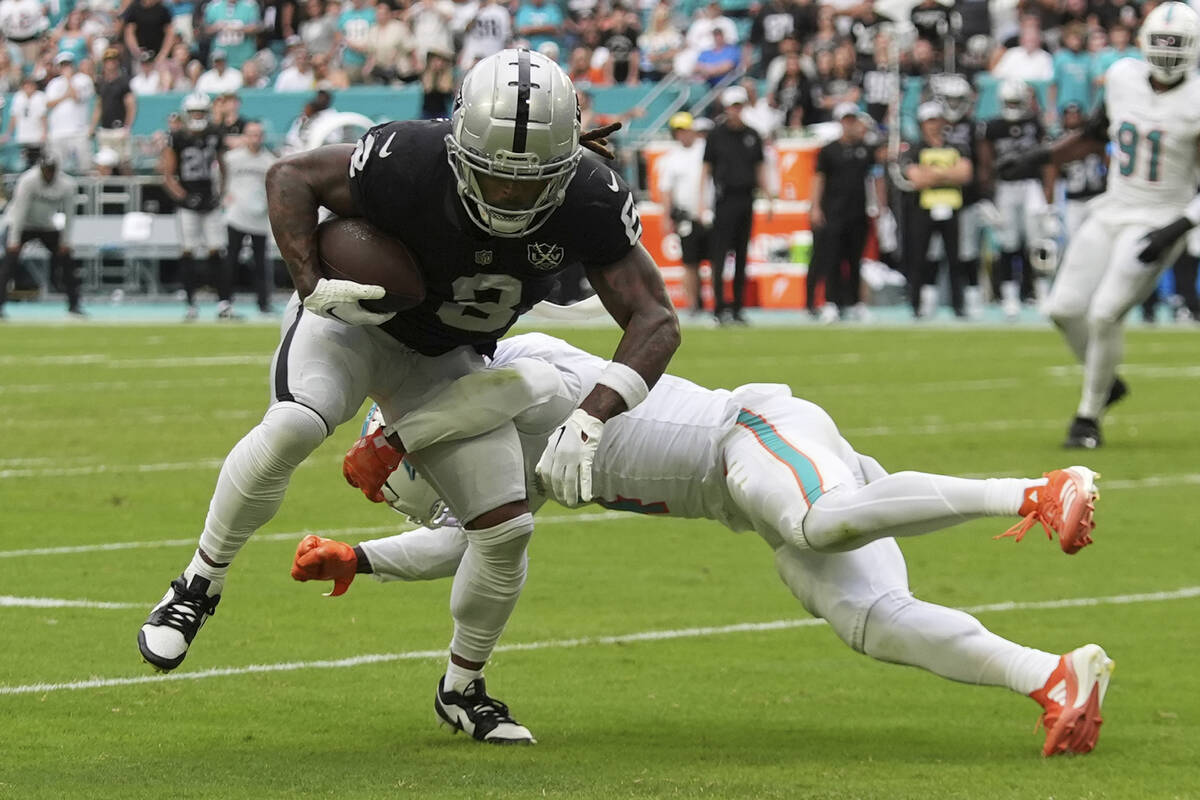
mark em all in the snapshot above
pixel 1152 166
pixel 476 285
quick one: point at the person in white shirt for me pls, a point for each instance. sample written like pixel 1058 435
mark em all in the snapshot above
pixel 700 36
pixel 68 99
pixel 488 33
pixel 148 79
pixel 299 76
pixel 220 79
pixel 22 22
pixel 680 173
pixel 246 207
pixel 43 192
pixel 1028 61
pixel 27 120
pixel 390 48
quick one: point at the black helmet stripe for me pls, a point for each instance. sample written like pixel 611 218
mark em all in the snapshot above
pixel 521 128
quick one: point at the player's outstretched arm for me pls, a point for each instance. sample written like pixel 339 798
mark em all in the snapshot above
pixel 297 186
pixel 1091 138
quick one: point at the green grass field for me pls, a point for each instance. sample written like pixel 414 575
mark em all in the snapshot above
pixel 110 440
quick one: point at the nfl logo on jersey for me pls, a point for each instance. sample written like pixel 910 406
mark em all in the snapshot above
pixel 544 256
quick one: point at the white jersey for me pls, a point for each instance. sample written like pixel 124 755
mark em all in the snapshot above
pixel 1152 174
pixel 650 457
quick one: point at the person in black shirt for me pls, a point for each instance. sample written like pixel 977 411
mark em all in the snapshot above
pixel 620 37
pixel 839 215
pixel 437 85
pixel 793 94
pixel 774 22
pixel 733 158
pixel 938 171
pixel 228 119
pixel 148 27
pixel 932 21
pixel 115 108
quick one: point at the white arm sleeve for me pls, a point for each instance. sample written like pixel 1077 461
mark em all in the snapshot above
pixel 421 555
pixel 526 391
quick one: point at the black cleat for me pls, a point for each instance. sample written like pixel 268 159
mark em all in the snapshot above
pixel 1084 433
pixel 483 717
pixel 1116 392
pixel 171 626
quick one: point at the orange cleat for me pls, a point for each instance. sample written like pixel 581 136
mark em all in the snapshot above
pixel 320 559
pixel 1071 699
pixel 1064 505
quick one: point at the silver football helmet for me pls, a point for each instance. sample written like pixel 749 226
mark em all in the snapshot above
pixel 514 141
pixel 196 108
pixel 954 93
pixel 1015 102
pixel 1170 41
pixel 405 490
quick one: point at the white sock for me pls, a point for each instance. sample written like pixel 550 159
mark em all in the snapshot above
pixel 1104 351
pixel 215 575
pixel 254 477
pixel 458 677
pixel 953 644
pixel 487 585
pixel 906 504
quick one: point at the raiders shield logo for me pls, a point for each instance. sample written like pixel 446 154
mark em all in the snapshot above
pixel 483 257
pixel 544 255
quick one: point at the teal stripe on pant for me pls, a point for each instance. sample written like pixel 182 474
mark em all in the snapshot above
pixel 801 465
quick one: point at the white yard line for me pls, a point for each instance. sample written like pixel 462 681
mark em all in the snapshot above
pixel 11 601
pixel 104 360
pixel 346 533
pixel 562 644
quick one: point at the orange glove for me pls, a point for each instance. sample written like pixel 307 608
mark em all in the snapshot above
pixel 368 464
pixel 320 559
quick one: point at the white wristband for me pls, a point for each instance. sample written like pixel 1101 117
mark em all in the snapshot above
pixel 1192 212
pixel 625 381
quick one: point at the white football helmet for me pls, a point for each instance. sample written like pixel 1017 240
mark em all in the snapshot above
pixel 1170 41
pixel 405 490
pixel 196 108
pixel 954 93
pixel 516 118
pixel 1014 99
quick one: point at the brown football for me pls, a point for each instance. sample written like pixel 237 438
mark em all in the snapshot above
pixel 355 250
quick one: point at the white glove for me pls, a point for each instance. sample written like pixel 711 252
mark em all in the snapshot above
pixel 334 299
pixel 990 215
pixel 565 468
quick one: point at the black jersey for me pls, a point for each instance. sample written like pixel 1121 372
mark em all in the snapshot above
pixel 1084 178
pixel 196 163
pixel 476 285
pixel 1014 137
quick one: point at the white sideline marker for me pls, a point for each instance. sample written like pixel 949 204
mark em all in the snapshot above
pixel 559 644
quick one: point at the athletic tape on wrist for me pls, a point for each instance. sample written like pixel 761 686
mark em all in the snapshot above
pixel 625 381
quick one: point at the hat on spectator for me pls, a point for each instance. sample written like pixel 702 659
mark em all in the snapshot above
pixel 147 56
pixel 930 110
pixel 107 157
pixel 681 121
pixel 843 110
pixel 219 55
pixel 734 96
pixel 64 58
pixel 702 124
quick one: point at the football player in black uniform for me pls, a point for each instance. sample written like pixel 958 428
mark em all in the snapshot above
pixel 1020 200
pixel 492 203
pixel 189 166
pixel 958 103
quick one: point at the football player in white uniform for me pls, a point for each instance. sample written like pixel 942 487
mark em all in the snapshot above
pixel 753 459
pixel 1151 114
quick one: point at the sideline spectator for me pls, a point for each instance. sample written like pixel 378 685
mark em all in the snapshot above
pixel 719 60
pixel 1119 46
pixel 1028 61
pixel 42 192
pixel 27 120
pixel 115 109
pixel 774 22
pixel 354 25
pixel 10 73
pixel 937 171
pixel 221 78
pixel 318 31
pixel 620 39
pixel 680 180
pixel 233 24
pixel 430 22
pixel 437 85
pixel 246 208
pixel 488 33
pixel 759 114
pixel 538 21
pixel 148 79
pixel 23 22
pixel 148 27
pixel 175 69
pixel 252 75
pixel 228 119
pixel 326 75
pixel 1072 64
pixel 67 99
pixel 794 94
pixel 299 76
pixel 733 157
pixel 391 49
pixel 71 37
